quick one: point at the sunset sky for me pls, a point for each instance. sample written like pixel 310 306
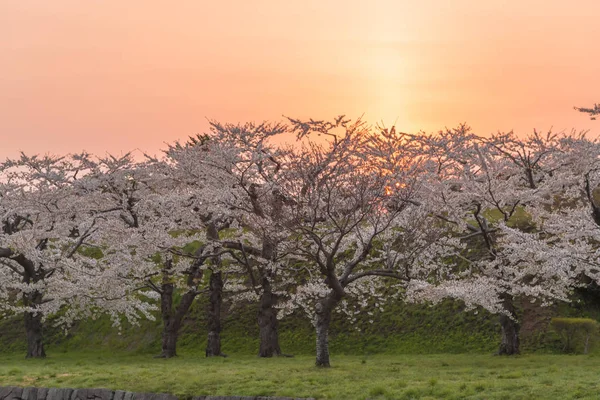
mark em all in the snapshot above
pixel 115 75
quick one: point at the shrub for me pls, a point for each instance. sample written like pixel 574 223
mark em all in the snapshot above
pixel 571 330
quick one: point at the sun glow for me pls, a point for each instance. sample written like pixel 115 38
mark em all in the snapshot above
pixel 116 76
pixel 388 92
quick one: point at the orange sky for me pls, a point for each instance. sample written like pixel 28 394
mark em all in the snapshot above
pixel 117 75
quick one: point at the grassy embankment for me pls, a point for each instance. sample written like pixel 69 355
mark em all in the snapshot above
pixel 400 329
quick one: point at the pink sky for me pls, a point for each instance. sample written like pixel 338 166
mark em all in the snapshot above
pixel 119 75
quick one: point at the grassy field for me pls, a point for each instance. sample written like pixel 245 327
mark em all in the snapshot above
pixel 409 352
pixel 445 376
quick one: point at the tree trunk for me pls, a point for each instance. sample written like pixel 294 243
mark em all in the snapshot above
pixel 586 347
pixel 169 334
pixel 172 320
pixel 213 345
pixel 510 330
pixel 510 336
pixel 267 322
pixel 33 328
pixel 34 299
pixel 169 343
pixel 323 310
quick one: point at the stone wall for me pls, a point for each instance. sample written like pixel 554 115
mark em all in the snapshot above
pixel 32 393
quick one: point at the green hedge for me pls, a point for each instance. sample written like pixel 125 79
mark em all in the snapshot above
pixel 575 332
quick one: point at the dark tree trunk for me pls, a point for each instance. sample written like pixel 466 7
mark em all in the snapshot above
pixel 169 343
pixel 213 345
pixel 267 322
pixel 169 334
pixel 510 330
pixel 323 310
pixel 33 328
pixel 172 320
pixel 34 299
pixel 530 178
pixel 510 336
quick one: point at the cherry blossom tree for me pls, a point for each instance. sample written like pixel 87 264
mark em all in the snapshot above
pixel 350 211
pixel 487 187
pixel 48 226
pixel 357 217
pixel 567 219
pixel 154 221
pixel 241 167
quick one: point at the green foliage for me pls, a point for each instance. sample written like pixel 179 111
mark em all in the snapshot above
pixel 575 332
pixel 415 329
pixel 519 219
pixel 192 247
pixel 12 333
pixel 94 252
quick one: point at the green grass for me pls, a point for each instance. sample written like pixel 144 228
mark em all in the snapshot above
pixel 443 376
pixel 409 351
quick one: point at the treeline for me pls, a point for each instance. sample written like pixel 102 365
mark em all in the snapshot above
pixel 349 212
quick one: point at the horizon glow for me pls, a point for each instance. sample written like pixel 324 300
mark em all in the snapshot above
pixel 113 77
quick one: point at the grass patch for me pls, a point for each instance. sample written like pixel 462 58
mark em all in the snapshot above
pixel 444 376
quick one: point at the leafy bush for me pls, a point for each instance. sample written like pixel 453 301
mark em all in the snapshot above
pixel 574 330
